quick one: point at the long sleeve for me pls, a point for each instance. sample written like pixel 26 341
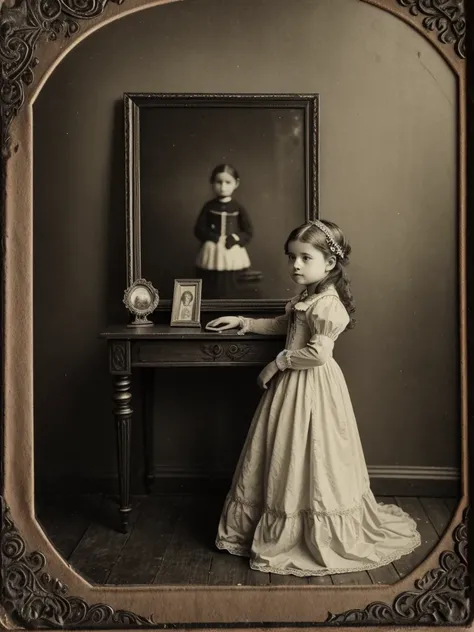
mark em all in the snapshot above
pixel 268 326
pixel 245 230
pixel 327 318
pixel 245 225
pixel 202 230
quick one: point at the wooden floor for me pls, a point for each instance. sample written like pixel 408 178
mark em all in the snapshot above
pixel 171 541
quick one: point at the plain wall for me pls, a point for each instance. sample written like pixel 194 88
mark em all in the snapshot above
pixel 388 156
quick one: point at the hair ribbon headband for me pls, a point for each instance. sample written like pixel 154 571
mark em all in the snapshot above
pixel 333 245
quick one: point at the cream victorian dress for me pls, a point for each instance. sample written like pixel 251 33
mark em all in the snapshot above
pixel 300 501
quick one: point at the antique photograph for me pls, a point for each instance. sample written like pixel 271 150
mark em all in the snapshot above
pixel 253 409
pixel 186 307
pixel 141 299
pixel 222 178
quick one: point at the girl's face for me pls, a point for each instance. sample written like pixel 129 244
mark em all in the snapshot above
pixel 224 184
pixel 308 265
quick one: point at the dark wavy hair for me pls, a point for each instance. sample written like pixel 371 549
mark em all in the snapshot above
pixel 309 233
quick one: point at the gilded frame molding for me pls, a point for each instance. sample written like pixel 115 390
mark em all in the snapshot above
pixel 39 590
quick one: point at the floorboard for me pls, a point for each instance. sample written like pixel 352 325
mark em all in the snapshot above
pixel 188 557
pixel 148 542
pixel 65 519
pixel 359 578
pixel 320 580
pixel 451 504
pixel 171 542
pixel 257 578
pixel 438 513
pixel 428 535
pixel 287 580
pixel 101 544
pixel 228 570
pixel 385 574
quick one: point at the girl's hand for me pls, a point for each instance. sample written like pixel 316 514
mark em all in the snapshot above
pixel 230 241
pixel 224 322
pixel 266 374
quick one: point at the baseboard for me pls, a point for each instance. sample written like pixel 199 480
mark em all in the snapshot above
pixel 385 481
pixel 441 482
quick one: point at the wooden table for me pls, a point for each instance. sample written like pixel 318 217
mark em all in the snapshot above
pixel 164 346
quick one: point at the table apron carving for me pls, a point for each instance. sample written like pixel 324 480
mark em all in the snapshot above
pixel 196 353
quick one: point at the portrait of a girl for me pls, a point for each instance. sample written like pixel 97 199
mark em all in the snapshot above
pixel 223 226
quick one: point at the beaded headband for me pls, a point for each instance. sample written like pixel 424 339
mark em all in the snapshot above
pixel 333 245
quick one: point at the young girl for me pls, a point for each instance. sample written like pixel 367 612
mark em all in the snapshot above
pixel 223 226
pixel 300 501
pixel 185 308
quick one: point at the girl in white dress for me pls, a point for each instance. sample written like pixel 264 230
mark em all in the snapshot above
pixel 300 501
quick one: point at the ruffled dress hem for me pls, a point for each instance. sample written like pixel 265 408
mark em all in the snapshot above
pixel 411 539
pixel 396 555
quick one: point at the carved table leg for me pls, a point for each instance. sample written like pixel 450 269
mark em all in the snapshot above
pixel 148 435
pixel 123 416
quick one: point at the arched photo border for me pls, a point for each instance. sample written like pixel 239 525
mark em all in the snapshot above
pixel 38 588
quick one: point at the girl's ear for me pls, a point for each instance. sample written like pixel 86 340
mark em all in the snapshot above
pixel 330 263
pixel 237 182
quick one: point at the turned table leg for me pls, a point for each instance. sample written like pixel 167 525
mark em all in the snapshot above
pixel 122 398
pixel 148 376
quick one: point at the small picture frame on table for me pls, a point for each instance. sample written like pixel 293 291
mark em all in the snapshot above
pixel 141 299
pixel 186 306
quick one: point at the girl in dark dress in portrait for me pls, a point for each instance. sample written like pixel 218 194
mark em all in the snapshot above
pixel 224 229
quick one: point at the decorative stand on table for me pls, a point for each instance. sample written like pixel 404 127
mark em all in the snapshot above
pixel 164 346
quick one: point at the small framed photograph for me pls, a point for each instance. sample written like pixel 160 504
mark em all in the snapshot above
pixel 141 299
pixel 186 308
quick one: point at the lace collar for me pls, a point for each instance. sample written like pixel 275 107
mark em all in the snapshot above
pixel 302 302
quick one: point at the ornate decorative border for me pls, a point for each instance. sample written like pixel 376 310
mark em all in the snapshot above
pixel 22 27
pixel 35 599
pixel 28 22
pixel 441 595
pixel 28 594
pixel 445 16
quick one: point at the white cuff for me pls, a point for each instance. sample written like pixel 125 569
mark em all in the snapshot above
pixel 236 237
pixel 283 360
pixel 244 325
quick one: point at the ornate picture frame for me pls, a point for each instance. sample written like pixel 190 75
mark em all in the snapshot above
pixel 141 299
pixel 39 590
pixel 186 309
pixel 172 143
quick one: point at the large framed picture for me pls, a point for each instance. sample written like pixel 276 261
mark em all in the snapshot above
pixel 178 150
